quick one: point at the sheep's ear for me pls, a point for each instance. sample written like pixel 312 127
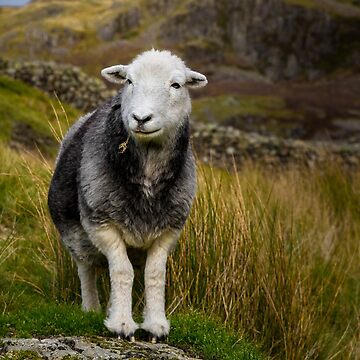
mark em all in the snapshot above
pixel 115 74
pixel 195 79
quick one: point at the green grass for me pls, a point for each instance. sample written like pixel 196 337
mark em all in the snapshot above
pixel 211 340
pixel 25 105
pixel 48 319
pixel 190 331
pixel 21 355
pixel 224 107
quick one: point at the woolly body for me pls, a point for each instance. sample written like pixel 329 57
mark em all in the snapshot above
pixel 103 200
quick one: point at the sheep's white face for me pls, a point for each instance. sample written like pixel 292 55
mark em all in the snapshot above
pixel 155 98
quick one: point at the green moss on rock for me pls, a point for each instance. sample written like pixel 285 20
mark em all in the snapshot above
pixel 22 355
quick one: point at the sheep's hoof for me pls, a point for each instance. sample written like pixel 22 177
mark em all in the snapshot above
pixel 155 339
pixel 130 337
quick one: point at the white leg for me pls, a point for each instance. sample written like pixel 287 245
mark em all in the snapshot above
pixel 155 320
pixel 89 294
pixel 119 319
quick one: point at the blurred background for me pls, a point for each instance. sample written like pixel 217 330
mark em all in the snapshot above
pixel 271 251
pixel 278 70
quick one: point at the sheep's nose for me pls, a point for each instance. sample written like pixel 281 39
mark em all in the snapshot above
pixel 142 119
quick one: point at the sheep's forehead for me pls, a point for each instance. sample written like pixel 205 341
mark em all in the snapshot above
pixel 157 65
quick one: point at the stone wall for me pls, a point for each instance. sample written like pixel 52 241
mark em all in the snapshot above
pixel 69 83
pixel 221 145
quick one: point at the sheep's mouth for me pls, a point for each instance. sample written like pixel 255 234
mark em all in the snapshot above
pixel 142 132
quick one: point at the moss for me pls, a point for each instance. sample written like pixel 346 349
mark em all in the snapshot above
pixel 22 355
pixel 343 8
pixel 305 3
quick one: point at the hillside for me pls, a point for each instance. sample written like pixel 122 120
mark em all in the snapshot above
pixel 278 38
pixel 26 116
pixel 285 68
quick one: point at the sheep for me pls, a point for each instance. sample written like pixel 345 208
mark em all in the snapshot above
pixel 124 179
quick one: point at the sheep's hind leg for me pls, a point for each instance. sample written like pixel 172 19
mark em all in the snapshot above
pixel 155 321
pixel 83 252
pixel 89 293
pixel 111 244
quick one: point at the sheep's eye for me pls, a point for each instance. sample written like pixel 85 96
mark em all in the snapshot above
pixel 175 85
pixel 128 81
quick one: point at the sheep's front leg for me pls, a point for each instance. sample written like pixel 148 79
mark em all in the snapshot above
pixel 155 321
pixel 119 319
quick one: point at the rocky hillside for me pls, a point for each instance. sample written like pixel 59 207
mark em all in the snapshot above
pixel 281 39
pixel 242 47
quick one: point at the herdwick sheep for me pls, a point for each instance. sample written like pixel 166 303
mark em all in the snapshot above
pixel 125 178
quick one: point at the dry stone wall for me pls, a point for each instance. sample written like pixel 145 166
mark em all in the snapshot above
pixel 221 145
pixel 68 82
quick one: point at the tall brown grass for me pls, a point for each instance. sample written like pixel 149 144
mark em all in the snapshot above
pixel 275 255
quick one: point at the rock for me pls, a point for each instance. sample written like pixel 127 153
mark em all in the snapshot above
pixel 86 348
pixel 121 24
pixel 282 40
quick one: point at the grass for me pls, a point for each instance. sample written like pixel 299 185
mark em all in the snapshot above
pixel 21 355
pixel 225 107
pixel 208 338
pixel 39 284
pixel 190 331
pixel 47 319
pixel 272 256
pixel 30 108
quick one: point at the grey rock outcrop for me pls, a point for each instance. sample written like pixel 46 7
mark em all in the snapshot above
pixel 121 24
pixel 280 39
pixel 84 348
